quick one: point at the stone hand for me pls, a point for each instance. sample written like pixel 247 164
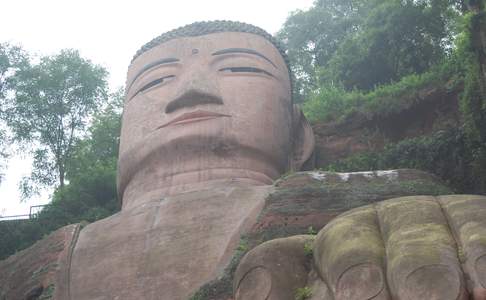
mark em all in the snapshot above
pixel 406 248
pixel 417 247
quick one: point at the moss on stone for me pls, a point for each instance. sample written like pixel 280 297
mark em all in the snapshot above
pixel 426 241
pixel 47 293
pixel 345 195
pixel 352 236
pixel 44 269
pixel 222 288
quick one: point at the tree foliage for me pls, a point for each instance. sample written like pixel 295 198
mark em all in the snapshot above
pixel 92 169
pixel 90 194
pixel 12 58
pixel 365 43
pixel 445 153
pixel 51 106
pixel 472 47
pixel 335 104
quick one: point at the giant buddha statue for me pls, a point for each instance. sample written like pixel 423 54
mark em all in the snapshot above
pixel 208 126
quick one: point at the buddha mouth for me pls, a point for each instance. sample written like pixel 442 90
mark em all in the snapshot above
pixel 195 116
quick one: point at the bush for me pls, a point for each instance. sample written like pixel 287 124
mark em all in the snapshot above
pixel 445 153
pixel 303 293
pixel 333 103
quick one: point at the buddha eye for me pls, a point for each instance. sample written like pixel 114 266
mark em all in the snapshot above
pixel 245 70
pixel 154 83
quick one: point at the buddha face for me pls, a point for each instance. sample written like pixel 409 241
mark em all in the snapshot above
pixel 206 107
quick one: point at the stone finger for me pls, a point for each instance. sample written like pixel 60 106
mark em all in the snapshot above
pixel 273 270
pixel 422 260
pixel 466 215
pixel 349 256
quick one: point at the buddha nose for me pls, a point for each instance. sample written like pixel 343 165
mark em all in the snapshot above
pixel 197 88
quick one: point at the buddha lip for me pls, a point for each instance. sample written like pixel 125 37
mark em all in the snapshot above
pixel 198 115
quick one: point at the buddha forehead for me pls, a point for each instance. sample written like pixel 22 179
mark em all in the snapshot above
pixel 208 50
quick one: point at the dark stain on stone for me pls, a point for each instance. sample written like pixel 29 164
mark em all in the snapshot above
pixel 222 149
pixel 34 293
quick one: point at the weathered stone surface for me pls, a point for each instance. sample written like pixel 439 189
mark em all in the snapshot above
pixel 268 275
pixel 40 271
pixel 164 249
pixel 417 247
pixel 306 199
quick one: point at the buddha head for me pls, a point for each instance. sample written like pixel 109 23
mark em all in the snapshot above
pixel 206 102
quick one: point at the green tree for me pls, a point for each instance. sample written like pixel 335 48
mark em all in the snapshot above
pixel 11 59
pixel 365 43
pixel 101 145
pixel 398 39
pixel 472 48
pixel 90 193
pixel 48 113
pixel 92 169
pixel 312 37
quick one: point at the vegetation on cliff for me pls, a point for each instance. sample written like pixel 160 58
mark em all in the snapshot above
pixel 335 104
pixel 372 60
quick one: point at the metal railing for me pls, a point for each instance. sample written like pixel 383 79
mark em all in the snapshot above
pixel 33 211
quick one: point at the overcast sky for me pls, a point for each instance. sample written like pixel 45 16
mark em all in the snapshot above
pixel 109 33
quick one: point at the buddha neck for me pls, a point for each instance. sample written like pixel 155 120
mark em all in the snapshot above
pixel 143 189
pixel 148 172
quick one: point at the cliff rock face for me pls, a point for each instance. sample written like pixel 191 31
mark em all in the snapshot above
pixel 432 109
pixel 41 271
pixel 311 199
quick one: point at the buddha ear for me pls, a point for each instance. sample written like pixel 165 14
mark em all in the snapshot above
pixel 302 141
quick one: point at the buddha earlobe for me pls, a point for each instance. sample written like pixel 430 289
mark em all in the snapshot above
pixel 303 141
